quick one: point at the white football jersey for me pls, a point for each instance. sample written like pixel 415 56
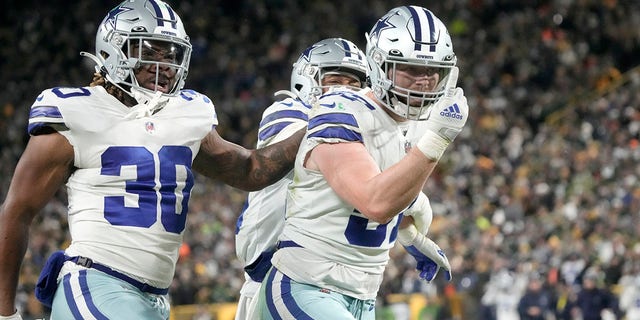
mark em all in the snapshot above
pixel 413 131
pixel 341 249
pixel 129 192
pixel 262 218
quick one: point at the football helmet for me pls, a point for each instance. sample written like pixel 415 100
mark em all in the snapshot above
pixel 409 37
pixel 139 33
pixel 333 55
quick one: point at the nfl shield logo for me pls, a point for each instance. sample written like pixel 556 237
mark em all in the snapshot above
pixel 149 126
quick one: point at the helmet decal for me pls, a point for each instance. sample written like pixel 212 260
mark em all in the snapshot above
pixel 349 49
pixel 112 15
pixel 159 14
pixel 418 17
pixel 381 25
pixel 306 54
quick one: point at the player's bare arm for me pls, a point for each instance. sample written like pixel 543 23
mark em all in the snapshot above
pixel 378 195
pixel 246 169
pixel 43 168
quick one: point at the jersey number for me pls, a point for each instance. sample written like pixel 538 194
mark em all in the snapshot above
pixel 174 194
pixel 358 234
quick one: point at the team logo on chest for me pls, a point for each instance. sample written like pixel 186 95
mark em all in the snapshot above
pixel 407 146
pixel 150 127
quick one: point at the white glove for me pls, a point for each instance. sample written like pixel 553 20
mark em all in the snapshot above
pixel 446 119
pixel 430 258
pixel 15 316
pixel 421 212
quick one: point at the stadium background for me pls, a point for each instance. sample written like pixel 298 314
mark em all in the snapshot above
pixel 544 182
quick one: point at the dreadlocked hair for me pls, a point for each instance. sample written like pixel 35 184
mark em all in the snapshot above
pixel 100 80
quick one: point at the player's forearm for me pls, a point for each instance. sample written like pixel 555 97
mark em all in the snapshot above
pixel 245 169
pixel 13 245
pixel 8 285
pixel 397 187
pixel 271 163
pixel 39 174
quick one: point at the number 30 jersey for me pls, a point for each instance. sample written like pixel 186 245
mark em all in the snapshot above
pixel 341 250
pixel 129 191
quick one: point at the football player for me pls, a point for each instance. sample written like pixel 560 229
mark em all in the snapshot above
pixel 126 148
pixel 354 176
pixel 325 64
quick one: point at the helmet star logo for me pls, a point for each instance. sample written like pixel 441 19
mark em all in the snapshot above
pixel 306 54
pixel 111 17
pixel 381 25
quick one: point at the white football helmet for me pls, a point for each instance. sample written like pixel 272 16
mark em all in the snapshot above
pixel 138 33
pixel 333 55
pixel 408 36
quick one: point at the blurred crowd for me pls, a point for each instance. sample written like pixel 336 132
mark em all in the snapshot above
pixel 537 203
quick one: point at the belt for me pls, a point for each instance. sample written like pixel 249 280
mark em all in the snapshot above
pixel 88 263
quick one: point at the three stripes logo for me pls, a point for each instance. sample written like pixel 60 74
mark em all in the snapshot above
pixel 452 111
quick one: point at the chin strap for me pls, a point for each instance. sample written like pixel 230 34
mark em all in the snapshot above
pixel 148 104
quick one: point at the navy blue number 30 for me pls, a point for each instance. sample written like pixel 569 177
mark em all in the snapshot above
pixel 173 216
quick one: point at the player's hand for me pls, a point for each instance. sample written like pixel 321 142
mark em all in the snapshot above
pixel 422 213
pixel 430 258
pixel 426 266
pixel 15 316
pixel 446 119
